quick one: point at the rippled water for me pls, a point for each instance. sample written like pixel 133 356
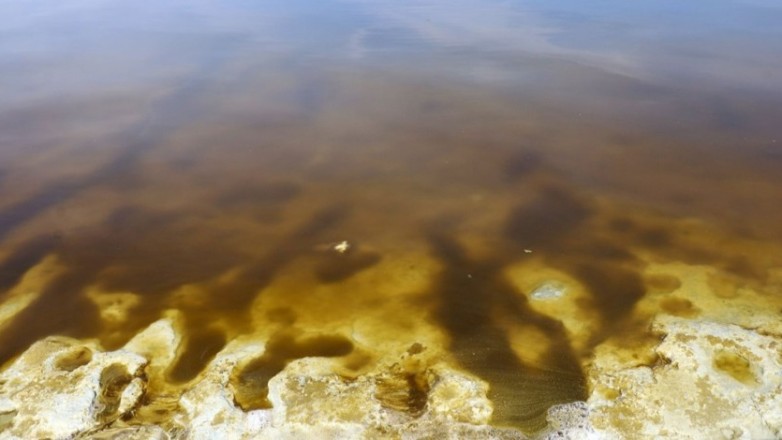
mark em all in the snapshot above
pixel 211 158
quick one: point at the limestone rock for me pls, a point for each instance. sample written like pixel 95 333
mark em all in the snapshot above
pixel 209 408
pixel 455 397
pixel 309 399
pixel 61 387
pixel 158 343
pixel 392 403
pixel 718 381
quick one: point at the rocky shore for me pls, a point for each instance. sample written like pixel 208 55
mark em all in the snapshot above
pixel 706 378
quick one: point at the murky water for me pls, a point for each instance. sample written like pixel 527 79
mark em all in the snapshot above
pixel 292 169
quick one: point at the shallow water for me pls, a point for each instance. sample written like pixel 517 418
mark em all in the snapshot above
pixel 211 158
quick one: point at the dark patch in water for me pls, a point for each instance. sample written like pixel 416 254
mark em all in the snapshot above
pixel 250 381
pixel 234 296
pixel 622 224
pixel 281 315
pixel 607 251
pixel 22 259
pixel 663 283
pixel 150 254
pixel 15 215
pixel 264 201
pixel 547 220
pixel 521 165
pixel 654 238
pixel 471 296
pixel 201 347
pixel 615 291
pixel 60 309
pixel 336 267
pixel 741 266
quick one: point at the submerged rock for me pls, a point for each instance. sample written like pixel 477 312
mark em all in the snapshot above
pixel 550 290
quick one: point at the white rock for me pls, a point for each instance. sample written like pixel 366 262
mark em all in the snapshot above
pixel 720 381
pixel 570 421
pixel 309 400
pixel 61 387
pixel 457 397
pixel 158 343
pixel 209 405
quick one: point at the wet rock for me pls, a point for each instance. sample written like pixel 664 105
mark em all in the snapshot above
pixel 158 343
pixel 456 397
pixel 28 288
pixel 61 387
pixel 308 398
pixel 711 380
pixel 715 381
pixel 209 407
pixel 392 403
pixel 571 422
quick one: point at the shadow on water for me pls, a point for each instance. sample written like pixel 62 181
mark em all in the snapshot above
pixel 167 113
pixel 23 258
pixel 471 296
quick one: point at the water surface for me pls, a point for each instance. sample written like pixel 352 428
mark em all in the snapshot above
pixel 209 158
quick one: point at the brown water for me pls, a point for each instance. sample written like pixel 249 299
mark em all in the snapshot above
pixel 209 158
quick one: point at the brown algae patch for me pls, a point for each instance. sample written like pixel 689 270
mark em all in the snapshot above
pixel 250 380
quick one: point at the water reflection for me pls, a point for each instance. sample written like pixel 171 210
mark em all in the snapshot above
pixel 198 157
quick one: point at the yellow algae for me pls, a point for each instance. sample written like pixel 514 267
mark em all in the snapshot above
pixel 735 365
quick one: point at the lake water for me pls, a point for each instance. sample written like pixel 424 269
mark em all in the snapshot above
pixel 405 168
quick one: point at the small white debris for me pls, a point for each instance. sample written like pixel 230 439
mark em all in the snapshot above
pixel 342 247
pixel 527 251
